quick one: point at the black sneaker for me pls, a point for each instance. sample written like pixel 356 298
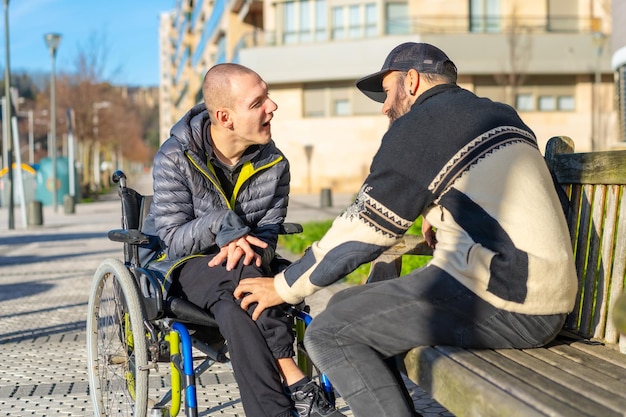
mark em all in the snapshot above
pixel 310 401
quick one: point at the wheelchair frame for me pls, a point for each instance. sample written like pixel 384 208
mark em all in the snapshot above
pixel 131 329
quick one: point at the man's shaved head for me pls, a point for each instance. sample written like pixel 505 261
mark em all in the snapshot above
pixel 216 87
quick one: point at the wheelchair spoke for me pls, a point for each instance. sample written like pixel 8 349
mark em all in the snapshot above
pixel 115 320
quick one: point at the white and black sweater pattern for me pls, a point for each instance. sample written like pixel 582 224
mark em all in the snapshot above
pixel 472 168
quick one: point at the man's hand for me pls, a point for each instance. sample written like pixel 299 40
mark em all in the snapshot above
pixel 238 248
pixel 429 234
pixel 257 290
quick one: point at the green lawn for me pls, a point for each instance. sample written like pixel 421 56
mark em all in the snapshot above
pixel 314 231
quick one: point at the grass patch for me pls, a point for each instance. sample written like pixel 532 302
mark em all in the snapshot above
pixel 314 231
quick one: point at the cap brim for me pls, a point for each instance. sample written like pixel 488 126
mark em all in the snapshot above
pixel 372 86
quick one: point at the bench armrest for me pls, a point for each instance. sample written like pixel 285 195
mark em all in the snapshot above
pixel 389 263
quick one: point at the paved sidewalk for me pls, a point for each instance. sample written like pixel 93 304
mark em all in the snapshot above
pixel 45 278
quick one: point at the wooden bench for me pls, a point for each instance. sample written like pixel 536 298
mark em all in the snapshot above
pixel 582 372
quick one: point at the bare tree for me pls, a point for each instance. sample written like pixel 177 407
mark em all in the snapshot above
pixel 519 52
pixel 107 125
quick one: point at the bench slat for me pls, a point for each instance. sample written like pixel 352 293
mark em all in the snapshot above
pixel 600 350
pixel 575 195
pixel 460 391
pixel 582 251
pixel 602 364
pixel 607 260
pixel 618 273
pixel 550 381
pixel 580 378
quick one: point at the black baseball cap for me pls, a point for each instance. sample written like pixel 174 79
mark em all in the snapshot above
pixel 422 57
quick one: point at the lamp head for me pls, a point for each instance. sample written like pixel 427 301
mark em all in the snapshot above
pixel 52 41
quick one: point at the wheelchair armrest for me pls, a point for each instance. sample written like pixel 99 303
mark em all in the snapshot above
pixel 290 229
pixel 132 236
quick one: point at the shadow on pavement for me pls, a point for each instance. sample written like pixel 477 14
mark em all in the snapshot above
pixel 42 310
pixel 29 334
pixel 30 259
pixel 22 289
pixel 37 238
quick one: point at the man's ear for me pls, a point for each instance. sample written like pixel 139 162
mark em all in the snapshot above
pixel 413 79
pixel 223 117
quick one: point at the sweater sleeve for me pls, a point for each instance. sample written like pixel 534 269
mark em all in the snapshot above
pixel 386 206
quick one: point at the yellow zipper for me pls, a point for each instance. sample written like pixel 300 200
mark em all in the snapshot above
pixel 247 171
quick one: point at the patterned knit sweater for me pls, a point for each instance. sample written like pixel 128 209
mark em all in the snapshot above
pixel 473 169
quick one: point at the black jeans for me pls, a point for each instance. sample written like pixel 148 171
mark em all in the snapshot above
pixel 253 346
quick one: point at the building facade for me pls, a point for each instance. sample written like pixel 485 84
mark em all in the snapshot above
pixel 550 59
pixel 618 64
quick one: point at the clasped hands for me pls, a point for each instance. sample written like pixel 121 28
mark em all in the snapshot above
pixel 239 248
pixel 250 290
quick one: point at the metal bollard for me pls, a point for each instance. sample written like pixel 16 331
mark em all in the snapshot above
pixel 68 204
pixel 35 213
pixel 326 199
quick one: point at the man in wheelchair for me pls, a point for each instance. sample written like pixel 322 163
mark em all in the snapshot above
pixel 220 195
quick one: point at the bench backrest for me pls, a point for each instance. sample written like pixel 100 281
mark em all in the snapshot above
pixel 594 183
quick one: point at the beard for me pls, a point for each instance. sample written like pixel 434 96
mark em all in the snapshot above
pixel 400 107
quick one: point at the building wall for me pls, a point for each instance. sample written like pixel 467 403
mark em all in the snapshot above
pixel 540 42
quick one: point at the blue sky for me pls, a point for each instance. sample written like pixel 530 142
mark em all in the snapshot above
pixel 127 31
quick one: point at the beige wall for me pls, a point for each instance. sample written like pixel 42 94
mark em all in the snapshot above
pixel 343 147
pixel 342 150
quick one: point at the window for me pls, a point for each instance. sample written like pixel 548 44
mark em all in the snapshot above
pixel 314 99
pixel 321 20
pixel 303 21
pixel 484 16
pixel 566 103
pixel 546 103
pixel 289 23
pixel 525 102
pixel 371 17
pixel 354 21
pixel 339 31
pixel 397 21
pixel 336 99
pixel 341 107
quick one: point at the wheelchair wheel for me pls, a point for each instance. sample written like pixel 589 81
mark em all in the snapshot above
pixel 116 343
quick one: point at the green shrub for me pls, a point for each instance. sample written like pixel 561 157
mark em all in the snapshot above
pixel 314 231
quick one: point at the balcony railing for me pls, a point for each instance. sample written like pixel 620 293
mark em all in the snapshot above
pixel 430 25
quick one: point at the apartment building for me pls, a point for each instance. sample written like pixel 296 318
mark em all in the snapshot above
pixel 551 59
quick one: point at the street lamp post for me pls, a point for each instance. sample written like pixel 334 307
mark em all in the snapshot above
pixel 52 41
pixel 7 113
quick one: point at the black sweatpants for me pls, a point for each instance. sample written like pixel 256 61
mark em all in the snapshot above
pixel 253 346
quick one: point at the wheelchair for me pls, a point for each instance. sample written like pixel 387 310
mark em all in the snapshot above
pixel 133 330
